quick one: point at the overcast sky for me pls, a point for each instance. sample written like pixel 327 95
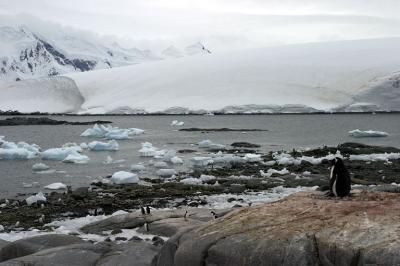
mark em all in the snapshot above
pixel 220 24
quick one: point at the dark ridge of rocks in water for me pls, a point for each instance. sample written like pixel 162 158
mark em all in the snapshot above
pixel 186 151
pixel 349 148
pixel 224 129
pixel 29 121
pixel 245 145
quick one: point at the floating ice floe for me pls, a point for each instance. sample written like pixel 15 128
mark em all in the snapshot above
pixel 110 132
pixel 30 185
pixel 208 144
pixel 112 145
pixel 176 160
pixel 37 167
pixel 59 154
pixel 250 157
pixel 76 158
pixel 123 177
pixel 84 146
pixel 18 151
pixel 110 160
pixel 375 157
pixel 138 168
pixel 148 150
pixel 166 172
pixel 35 198
pixel 56 186
pixel 160 165
pixel 199 161
pixel 366 134
pixel 177 123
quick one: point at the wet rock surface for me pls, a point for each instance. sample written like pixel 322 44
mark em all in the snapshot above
pixel 29 121
pixel 35 244
pixel 303 229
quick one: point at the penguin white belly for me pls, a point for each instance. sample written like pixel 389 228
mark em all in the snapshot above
pixel 334 189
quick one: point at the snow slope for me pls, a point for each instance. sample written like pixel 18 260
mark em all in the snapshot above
pixel 301 78
pixel 54 95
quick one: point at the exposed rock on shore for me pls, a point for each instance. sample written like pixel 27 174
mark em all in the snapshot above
pixel 303 229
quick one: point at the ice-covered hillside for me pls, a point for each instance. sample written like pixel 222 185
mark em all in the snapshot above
pixel 53 95
pixel 295 78
pixel 25 53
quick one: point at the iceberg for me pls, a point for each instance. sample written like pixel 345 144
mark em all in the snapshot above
pixel 199 161
pixel 35 198
pixel 367 134
pixel 18 151
pixel 59 154
pixel 160 165
pixel 123 177
pixel 112 145
pixel 148 150
pixel 110 132
pixel 76 158
pixel 176 160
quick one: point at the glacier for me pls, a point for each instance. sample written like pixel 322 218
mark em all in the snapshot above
pixel 350 76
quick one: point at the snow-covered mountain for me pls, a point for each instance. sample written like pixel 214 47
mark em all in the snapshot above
pixel 26 54
pixel 348 75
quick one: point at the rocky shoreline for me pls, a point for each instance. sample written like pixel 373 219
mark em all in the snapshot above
pixel 100 199
pixel 30 121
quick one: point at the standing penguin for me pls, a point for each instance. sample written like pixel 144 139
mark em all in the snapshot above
pixel 340 182
pixel 148 209
pixel 142 210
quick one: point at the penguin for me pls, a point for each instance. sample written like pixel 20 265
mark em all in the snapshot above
pixel 185 215
pixel 214 214
pixel 148 209
pixel 142 210
pixel 340 181
pixel 42 219
pixel 146 227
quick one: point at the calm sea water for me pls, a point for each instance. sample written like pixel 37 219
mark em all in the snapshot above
pixel 284 132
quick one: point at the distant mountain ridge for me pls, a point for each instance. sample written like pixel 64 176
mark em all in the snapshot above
pixel 26 54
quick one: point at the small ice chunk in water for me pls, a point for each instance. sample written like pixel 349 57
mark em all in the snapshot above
pixel 206 178
pixel 112 145
pixel 56 186
pixel 35 198
pixel 84 145
pixel 250 157
pixel 177 123
pixel 37 167
pixel 111 132
pixel 138 168
pixel 76 158
pixel 208 144
pixel 368 133
pixel 166 172
pixel 29 185
pixel 147 150
pixel 160 165
pixel 176 160
pixel 123 177
pixel 200 161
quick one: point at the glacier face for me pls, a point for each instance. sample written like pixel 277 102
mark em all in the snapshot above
pixel 294 78
pixel 360 75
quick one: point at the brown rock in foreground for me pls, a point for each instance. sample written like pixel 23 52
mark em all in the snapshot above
pixel 303 229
